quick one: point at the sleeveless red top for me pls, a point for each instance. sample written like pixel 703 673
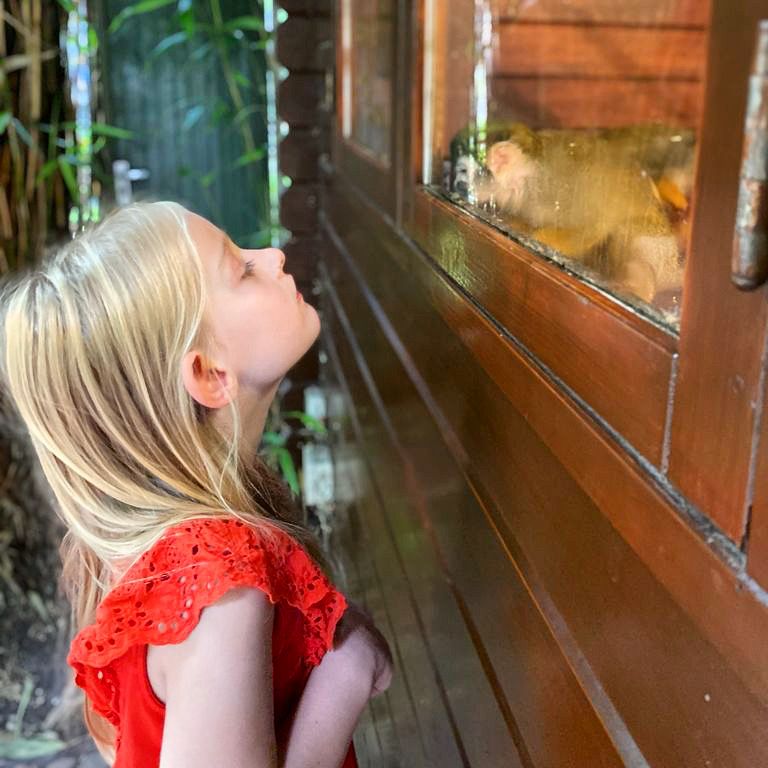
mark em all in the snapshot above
pixel 159 601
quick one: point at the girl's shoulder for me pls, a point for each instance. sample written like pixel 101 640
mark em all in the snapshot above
pixel 160 598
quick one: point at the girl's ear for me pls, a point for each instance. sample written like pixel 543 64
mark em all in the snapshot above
pixel 209 384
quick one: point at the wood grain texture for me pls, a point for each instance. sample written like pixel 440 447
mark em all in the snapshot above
pixel 722 331
pixel 483 736
pixel 301 257
pixel 457 716
pixel 312 8
pixel 535 522
pixel 299 152
pixel 305 44
pixel 757 545
pixel 665 541
pixel 299 208
pixel 577 103
pixel 375 176
pixel 559 50
pixel 634 12
pixel 301 99
pixel 587 340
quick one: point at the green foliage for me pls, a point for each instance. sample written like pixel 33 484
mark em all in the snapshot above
pixel 235 48
pixel 279 429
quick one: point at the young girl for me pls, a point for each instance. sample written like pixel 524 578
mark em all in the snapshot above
pixel 143 359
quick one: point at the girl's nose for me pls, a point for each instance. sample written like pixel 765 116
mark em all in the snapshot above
pixel 271 260
pixel 276 258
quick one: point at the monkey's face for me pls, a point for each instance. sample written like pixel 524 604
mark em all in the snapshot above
pixel 512 169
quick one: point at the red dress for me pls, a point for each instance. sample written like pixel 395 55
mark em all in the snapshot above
pixel 159 601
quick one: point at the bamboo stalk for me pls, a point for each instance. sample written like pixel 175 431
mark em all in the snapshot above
pixel 35 75
pixel 6 224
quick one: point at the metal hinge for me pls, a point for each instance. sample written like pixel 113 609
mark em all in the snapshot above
pixel 749 264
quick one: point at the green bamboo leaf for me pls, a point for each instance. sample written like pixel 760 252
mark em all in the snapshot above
pixel 288 469
pixel 169 42
pixel 69 176
pixel 187 22
pixel 220 111
pixel 249 157
pixel 111 131
pixel 93 41
pixel 16 748
pixel 143 6
pixel 200 52
pixel 47 170
pixel 22 131
pixel 252 23
pixel 241 79
pixel 208 179
pixel 67 5
pixel 5 119
pixel 310 422
pixel 273 439
pixel 192 117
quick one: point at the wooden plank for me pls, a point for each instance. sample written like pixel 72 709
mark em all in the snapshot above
pixel 714 411
pixel 307 7
pixel 417 710
pixel 299 208
pixel 544 50
pixel 301 99
pixel 710 591
pixel 436 653
pixel 585 339
pixel 372 173
pixel 299 152
pixel 305 44
pixel 577 103
pixel 561 700
pixel 652 12
pixel 757 544
pixel 611 603
pixel 301 256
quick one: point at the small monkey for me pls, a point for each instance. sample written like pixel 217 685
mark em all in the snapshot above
pixel 594 197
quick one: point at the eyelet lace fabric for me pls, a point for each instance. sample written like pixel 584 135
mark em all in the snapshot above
pixel 159 600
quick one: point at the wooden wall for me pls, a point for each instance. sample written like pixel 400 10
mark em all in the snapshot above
pixel 549 601
pixel 527 630
pixel 305 49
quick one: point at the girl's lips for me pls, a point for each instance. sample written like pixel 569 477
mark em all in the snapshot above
pixel 299 297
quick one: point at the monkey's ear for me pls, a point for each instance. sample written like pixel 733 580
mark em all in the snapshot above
pixel 207 382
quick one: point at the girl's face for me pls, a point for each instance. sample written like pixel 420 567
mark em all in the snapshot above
pixel 261 324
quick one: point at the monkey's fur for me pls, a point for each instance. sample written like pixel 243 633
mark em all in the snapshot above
pixel 594 196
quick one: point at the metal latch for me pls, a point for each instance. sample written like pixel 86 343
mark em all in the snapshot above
pixel 749 263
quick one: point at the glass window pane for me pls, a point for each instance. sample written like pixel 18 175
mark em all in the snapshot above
pixel 367 45
pixel 572 125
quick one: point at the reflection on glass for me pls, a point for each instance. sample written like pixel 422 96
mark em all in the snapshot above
pixel 572 125
pixel 367 43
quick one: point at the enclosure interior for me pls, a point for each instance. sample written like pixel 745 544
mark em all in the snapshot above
pixel 572 125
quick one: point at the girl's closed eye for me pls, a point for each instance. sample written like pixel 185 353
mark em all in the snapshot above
pixel 248 268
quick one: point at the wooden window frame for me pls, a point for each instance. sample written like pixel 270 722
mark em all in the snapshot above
pixel 680 402
pixel 377 180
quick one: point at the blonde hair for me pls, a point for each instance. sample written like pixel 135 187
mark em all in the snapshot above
pixel 92 347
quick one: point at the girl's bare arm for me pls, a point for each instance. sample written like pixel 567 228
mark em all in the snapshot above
pixel 214 684
pixel 359 667
pixel 218 687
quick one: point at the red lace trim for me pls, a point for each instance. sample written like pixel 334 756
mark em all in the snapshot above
pixel 159 600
